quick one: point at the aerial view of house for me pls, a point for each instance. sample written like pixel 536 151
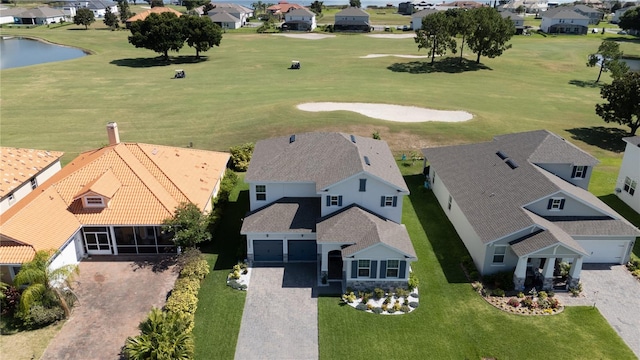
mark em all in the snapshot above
pixel 521 202
pixel 629 175
pixel 109 201
pixel 333 198
pixel 352 19
pixel 564 20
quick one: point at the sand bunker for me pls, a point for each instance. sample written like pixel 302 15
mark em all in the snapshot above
pixel 306 36
pixel 396 113
pixel 393 36
pixel 373 56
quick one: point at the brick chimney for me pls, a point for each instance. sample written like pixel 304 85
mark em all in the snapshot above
pixel 112 132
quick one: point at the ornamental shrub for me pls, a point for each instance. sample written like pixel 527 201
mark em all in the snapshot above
pixel 9 300
pixel 527 302
pixel 405 309
pixel 554 303
pixel 349 298
pixel 241 154
pixel 183 303
pixel 400 292
pixel 520 295
pixel 379 293
pixel 40 316
pixel 188 284
pixel 196 268
pixel 513 302
pixel 397 306
pixel 498 292
pixel 413 281
pixel 542 295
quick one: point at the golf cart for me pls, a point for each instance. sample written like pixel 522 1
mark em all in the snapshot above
pixel 295 65
pixel 179 74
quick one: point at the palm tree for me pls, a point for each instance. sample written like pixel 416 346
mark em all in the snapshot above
pixel 164 336
pixel 257 7
pixel 43 284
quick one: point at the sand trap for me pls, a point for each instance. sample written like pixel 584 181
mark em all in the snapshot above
pixel 306 36
pixel 373 56
pixel 396 113
pixel 393 36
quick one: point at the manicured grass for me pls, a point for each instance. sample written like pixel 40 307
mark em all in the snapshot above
pixel 27 345
pixel 453 322
pixel 219 306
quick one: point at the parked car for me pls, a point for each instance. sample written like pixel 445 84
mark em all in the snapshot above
pixel 622 32
pixel 406 28
pixel 398 27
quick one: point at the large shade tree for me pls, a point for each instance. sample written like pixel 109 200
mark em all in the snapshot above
pixel 491 33
pixel 158 32
pixel 623 96
pixel 84 17
pixel 43 285
pixel 608 58
pixel 124 10
pixel 110 19
pixel 461 25
pixel 201 33
pixel 188 224
pixel 435 35
pixel 630 20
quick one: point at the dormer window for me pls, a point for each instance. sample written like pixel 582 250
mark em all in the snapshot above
pixel 579 172
pixel 93 201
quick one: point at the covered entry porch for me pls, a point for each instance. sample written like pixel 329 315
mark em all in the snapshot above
pixel 541 268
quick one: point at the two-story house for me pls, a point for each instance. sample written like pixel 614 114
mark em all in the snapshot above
pixel 594 15
pixel 518 20
pixel 352 19
pixel 299 19
pixel 521 202
pixel 333 198
pixel 564 20
pixel 629 174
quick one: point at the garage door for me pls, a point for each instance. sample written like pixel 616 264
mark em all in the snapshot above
pixel 603 251
pixel 267 250
pixel 302 250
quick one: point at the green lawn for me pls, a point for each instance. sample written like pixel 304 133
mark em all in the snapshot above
pixel 244 92
pixel 453 322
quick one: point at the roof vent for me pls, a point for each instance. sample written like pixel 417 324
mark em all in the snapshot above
pixel 501 155
pixel 512 164
pixel 366 160
pixel 353 139
pixel 292 138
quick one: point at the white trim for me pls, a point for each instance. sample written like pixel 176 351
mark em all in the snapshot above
pixel 358 269
pixel 386 275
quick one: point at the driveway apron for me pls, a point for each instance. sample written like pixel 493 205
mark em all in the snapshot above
pixel 616 294
pixel 113 298
pixel 280 318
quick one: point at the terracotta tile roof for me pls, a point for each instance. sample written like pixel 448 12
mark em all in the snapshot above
pixel 18 166
pixel 283 7
pixel 154 10
pixel 16 254
pixel 152 180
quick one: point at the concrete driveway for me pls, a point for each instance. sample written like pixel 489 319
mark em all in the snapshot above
pixel 616 294
pixel 280 318
pixel 113 298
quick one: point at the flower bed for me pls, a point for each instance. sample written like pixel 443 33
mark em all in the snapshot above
pixel 385 303
pixel 239 277
pixel 537 303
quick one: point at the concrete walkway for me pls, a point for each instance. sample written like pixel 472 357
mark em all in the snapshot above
pixel 616 294
pixel 280 318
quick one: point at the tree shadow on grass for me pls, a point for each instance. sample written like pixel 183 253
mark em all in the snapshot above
pixel 446 244
pixel 603 137
pixel 447 65
pixel 227 241
pixel 158 61
pixel 585 84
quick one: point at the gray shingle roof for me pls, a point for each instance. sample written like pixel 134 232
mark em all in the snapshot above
pixel 301 12
pixel 492 195
pixel 586 9
pixel 322 158
pixel 289 215
pixel 634 140
pixel 41 12
pixel 361 228
pixel 223 16
pixel 352 11
pixel 425 12
pixel 563 13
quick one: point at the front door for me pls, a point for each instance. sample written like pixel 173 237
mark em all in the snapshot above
pixel 335 265
pixel 97 241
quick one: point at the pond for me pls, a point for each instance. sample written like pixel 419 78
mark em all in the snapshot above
pixel 18 52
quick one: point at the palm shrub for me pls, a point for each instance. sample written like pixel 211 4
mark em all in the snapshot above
pixel 43 289
pixel 164 336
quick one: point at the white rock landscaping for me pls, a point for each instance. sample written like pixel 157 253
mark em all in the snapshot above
pixel 395 305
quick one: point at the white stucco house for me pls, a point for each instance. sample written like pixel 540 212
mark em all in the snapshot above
pixel 239 12
pixel 300 19
pixel 416 18
pixel 333 198
pixel 225 20
pixel 520 203
pixel 618 13
pixel 108 201
pixel 629 175
pixel 42 15
pixel 23 170
pixel 8 15
pixel 563 20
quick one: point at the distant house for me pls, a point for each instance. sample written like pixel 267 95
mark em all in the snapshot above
pixel 40 16
pixel 563 20
pixel 627 187
pixel 462 5
pixel 9 15
pixel 299 19
pixel 240 12
pixel 594 15
pixel 109 201
pixel 225 20
pixel 517 20
pixel 331 198
pixel 618 13
pixel 530 7
pixel 416 18
pixel 521 202
pixel 23 170
pixel 282 7
pixel 352 19
pixel 406 8
pixel 98 7
pixel 154 10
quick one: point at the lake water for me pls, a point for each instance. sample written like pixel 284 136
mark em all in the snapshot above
pixel 18 52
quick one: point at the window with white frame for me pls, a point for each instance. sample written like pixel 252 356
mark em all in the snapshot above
pixel 498 254
pixel 630 185
pixel 261 192
pixel 393 268
pixel 34 183
pixel 364 268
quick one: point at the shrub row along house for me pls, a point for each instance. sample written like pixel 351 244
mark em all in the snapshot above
pixel 521 202
pixel 333 198
pixel 109 201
